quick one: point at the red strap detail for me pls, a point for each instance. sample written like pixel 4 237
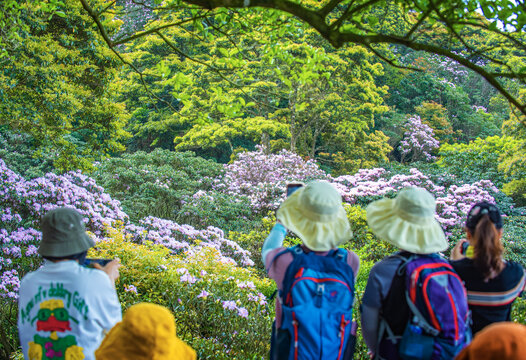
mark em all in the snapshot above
pixel 299 273
pixel 295 324
pixel 288 300
pixel 343 324
pixel 428 304
pixel 416 274
pixel 454 314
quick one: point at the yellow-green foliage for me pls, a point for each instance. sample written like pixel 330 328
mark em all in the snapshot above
pixel 56 84
pixel 214 332
pixel 364 242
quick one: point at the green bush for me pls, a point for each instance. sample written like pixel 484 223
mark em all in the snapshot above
pixel 19 151
pixel 475 161
pixel 155 183
pixel 214 208
pixel 365 243
pixel 514 239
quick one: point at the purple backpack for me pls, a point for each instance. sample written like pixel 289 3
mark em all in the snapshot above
pixel 437 319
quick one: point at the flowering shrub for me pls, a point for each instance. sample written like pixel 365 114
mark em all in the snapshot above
pixel 418 141
pixel 453 202
pixel 31 199
pixel 23 202
pixel 221 309
pixel 263 178
pixel 185 239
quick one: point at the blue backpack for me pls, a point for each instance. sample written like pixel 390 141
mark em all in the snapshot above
pixel 433 322
pixel 317 301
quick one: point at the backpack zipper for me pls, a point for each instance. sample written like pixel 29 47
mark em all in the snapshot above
pixel 288 300
pixel 343 325
pixel 295 325
pixel 428 304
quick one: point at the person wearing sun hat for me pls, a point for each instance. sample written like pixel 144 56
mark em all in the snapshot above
pixel 65 308
pixel 408 222
pixel 147 332
pixel 315 214
pixel 499 341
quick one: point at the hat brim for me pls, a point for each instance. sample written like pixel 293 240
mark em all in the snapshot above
pixel 424 237
pixel 60 249
pixel 315 235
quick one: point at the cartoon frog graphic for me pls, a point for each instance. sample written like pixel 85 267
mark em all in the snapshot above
pixel 53 317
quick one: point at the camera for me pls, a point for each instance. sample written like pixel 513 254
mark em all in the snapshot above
pixel 466 249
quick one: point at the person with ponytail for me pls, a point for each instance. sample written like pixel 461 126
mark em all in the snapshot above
pixel 492 283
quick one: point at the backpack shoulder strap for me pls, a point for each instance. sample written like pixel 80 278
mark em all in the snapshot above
pixel 419 319
pixel 295 251
pixel 338 253
pixel 393 314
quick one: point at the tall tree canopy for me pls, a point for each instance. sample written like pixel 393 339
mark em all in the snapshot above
pixel 439 27
pixel 57 84
pixel 296 92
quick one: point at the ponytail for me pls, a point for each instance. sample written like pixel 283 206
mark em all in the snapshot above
pixel 487 247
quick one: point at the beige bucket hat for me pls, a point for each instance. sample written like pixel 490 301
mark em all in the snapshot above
pixel 408 221
pixel 316 215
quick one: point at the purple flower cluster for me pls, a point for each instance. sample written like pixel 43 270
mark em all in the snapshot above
pixel 453 203
pixel 9 284
pixel 378 182
pixel 189 240
pixel 263 177
pixel 34 198
pixel 418 141
pixel 231 305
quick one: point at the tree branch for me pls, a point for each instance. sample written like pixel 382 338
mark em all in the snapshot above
pixel 107 39
pixel 317 20
pixel 154 30
pixel 331 5
pixel 418 23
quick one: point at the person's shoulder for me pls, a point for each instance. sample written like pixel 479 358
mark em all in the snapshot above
pixel 276 255
pixel 464 262
pixel 93 276
pixel 31 276
pixel 514 265
pixel 389 263
pixel 515 268
pixel 352 255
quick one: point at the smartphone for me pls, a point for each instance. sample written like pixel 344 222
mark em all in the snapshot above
pixel 89 262
pixel 291 187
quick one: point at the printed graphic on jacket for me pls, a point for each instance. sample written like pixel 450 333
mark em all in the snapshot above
pixel 52 318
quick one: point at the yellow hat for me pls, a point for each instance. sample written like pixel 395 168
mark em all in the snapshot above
pixel 315 213
pixel 408 221
pixel 147 332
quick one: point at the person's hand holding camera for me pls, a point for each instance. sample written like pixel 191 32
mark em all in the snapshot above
pixel 111 269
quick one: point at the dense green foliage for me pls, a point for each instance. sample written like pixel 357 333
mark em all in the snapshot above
pixel 155 183
pixel 58 87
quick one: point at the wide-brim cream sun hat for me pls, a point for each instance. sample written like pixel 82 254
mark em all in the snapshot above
pixel 408 221
pixel 316 215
